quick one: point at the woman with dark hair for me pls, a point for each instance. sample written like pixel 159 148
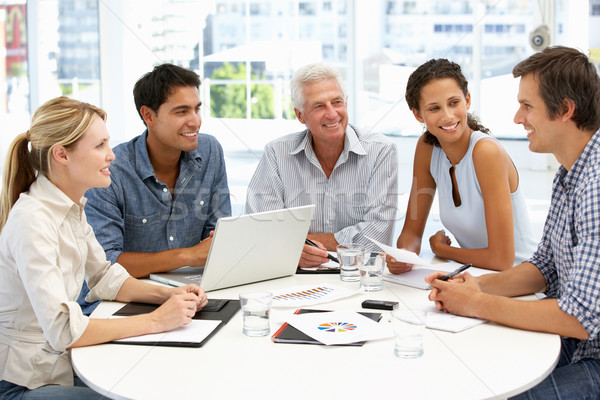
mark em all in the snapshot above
pixel 477 183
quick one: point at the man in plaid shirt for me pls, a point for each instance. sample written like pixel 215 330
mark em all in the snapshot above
pixel 559 97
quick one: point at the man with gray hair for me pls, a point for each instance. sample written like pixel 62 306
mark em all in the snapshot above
pixel 350 175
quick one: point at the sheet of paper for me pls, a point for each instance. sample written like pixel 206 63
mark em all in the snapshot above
pixel 307 295
pixel 401 255
pixel 413 278
pixel 412 258
pixel 416 277
pixel 339 327
pixel 451 266
pixel 451 323
pixel 194 332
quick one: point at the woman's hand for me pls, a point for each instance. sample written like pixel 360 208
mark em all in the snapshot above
pixel 178 310
pixel 192 288
pixel 438 240
pixel 396 267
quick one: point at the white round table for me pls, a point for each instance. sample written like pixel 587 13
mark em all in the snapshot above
pixel 485 362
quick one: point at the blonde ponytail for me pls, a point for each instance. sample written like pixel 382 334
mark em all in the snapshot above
pixel 17 176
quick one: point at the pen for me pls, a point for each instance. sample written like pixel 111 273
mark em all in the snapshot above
pixel 455 272
pixel 311 243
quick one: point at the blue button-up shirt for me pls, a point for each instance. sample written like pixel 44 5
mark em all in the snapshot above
pixel 569 253
pixel 137 212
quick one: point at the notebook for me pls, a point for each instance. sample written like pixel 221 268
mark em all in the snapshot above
pixel 204 324
pixel 414 278
pixel 249 248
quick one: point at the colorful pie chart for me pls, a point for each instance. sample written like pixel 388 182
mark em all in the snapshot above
pixel 337 327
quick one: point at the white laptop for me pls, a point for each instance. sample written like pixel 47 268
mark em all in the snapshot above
pixel 249 248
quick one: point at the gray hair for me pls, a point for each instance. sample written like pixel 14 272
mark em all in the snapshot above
pixel 308 74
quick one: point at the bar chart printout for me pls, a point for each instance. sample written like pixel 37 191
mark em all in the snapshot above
pixel 309 295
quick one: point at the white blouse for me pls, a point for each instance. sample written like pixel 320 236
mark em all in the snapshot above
pixel 46 250
pixel 467 221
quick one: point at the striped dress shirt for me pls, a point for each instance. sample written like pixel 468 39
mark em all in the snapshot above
pixel 357 201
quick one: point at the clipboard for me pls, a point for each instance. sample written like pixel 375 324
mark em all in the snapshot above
pixel 223 313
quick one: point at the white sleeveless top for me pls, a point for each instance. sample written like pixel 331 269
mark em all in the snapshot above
pixel 467 222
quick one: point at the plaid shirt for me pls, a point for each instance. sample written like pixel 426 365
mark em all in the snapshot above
pixel 569 253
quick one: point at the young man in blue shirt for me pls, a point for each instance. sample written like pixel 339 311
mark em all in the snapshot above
pixel 559 96
pixel 169 185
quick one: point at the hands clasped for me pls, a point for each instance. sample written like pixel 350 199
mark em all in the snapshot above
pixel 179 309
pixel 456 295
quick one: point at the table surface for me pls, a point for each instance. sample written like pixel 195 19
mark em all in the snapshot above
pixel 489 361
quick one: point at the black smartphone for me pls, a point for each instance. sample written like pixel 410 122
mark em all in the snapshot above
pixel 380 304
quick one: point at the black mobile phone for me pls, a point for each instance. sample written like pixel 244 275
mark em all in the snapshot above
pixel 380 304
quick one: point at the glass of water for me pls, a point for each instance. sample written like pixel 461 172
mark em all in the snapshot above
pixel 371 273
pixel 351 257
pixel 255 310
pixel 409 327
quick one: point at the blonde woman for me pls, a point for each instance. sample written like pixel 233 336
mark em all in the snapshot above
pixel 46 249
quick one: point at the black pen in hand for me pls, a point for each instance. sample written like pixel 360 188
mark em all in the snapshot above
pixel 311 243
pixel 455 272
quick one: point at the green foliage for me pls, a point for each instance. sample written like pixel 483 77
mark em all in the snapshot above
pixel 17 69
pixel 66 89
pixel 229 101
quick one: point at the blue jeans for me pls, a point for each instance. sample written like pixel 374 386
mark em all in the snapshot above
pixel 10 391
pixel 579 381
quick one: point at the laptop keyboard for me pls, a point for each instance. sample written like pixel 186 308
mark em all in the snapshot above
pixel 195 278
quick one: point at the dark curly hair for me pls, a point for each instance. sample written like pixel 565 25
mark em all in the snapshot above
pixel 432 70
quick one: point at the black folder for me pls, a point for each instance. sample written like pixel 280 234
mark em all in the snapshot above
pixel 216 309
pixel 318 271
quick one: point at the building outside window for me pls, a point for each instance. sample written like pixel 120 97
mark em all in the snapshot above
pixel 246 52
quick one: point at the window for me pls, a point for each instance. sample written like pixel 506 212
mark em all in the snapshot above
pixel 14 57
pixel 246 51
pixel 306 8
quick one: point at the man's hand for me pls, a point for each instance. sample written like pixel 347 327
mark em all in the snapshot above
pixel 313 256
pixel 198 254
pixel 457 296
